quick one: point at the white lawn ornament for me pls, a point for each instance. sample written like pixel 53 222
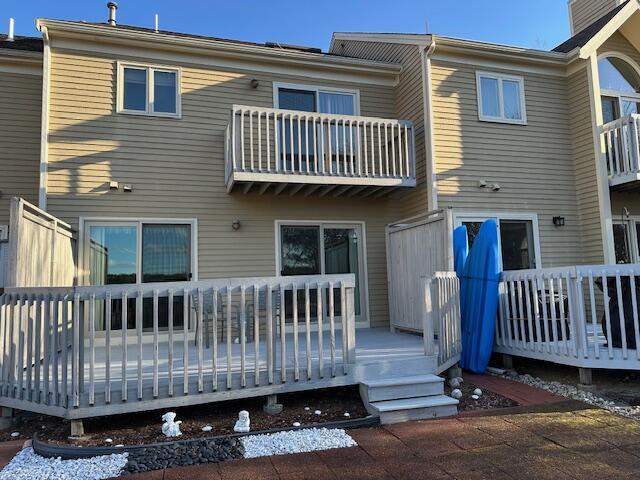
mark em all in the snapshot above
pixel 207 428
pixel 243 425
pixel 170 427
pixel 475 397
pixel 456 393
pixel 296 424
pixel 477 392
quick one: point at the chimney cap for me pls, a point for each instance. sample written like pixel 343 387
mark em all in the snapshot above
pixel 112 5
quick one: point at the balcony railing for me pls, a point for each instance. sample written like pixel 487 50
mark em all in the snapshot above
pixel 622 145
pixel 278 148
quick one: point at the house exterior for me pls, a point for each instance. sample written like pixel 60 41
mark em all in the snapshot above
pixel 178 158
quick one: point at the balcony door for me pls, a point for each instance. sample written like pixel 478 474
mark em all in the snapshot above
pixel 296 135
pixel 129 252
pixel 319 249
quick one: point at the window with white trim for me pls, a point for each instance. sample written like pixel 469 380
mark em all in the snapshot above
pixel 501 98
pixel 147 90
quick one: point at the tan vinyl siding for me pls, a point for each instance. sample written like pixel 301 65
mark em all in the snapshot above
pixel 532 163
pixel 585 167
pixel 618 43
pixel 409 103
pixel 176 167
pixel 585 12
pixel 20 112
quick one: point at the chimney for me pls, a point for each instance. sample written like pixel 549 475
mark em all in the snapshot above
pixel 112 6
pixel 10 37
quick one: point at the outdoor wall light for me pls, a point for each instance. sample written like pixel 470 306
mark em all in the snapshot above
pixel 127 188
pixel 558 221
pixel 236 224
pixel 113 185
pixel 254 83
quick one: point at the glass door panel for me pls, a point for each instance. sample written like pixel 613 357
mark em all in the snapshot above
pixel 341 256
pixel 293 137
pixel 516 241
pixel 340 137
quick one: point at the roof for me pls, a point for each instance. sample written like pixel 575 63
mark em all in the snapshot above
pixel 580 39
pixel 276 45
pixel 30 44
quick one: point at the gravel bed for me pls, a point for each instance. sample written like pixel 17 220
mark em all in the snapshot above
pixel 575 393
pixel 27 465
pixel 181 454
pixel 296 441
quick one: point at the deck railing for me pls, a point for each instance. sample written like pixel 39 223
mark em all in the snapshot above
pixel 584 316
pixel 64 351
pixel 441 318
pixel 622 145
pixel 275 142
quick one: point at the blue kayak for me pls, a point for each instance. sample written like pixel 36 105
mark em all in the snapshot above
pixel 479 299
pixel 460 249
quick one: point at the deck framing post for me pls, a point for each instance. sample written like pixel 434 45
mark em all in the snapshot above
pixel 272 407
pixel 6 418
pixel 507 362
pixel 586 377
pixel 77 429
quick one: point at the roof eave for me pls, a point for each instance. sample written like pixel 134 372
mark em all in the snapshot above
pixel 605 32
pixel 224 48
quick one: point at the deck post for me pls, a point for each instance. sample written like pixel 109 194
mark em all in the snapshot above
pixel 77 429
pixel 6 418
pixel 454 371
pixel 586 379
pixel 507 362
pixel 272 407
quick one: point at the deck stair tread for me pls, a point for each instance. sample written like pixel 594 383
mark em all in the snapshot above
pixel 413 403
pixel 399 381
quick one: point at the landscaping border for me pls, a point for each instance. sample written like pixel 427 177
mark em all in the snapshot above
pixel 69 452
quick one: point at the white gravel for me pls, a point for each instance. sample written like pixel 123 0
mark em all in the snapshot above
pixel 27 465
pixel 297 441
pixel 575 393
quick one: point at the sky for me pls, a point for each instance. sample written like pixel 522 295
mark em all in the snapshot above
pixel 538 24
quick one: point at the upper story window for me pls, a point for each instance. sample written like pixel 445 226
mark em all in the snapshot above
pixel 619 87
pixel 147 90
pixel 501 98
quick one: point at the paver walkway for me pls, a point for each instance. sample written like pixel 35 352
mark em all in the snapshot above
pixel 580 444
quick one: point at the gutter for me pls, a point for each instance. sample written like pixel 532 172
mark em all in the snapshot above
pixel 44 122
pixel 426 53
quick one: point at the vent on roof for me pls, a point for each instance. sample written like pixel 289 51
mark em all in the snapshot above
pixel 10 36
pixel 285 46
pixel 112 6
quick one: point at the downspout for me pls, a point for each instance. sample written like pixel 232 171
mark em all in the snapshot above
pixel 430 152
pixel 44 122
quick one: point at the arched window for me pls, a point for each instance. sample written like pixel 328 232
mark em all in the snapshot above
pixel 619 87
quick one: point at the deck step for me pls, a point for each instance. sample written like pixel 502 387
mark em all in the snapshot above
pixel 402 387
pixel 419 408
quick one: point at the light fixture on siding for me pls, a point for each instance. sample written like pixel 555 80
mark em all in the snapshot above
pixel 558 221
pixel 495 187
pixel 254 83
pixel 113 185
pixel 236 224
pixel 482 183
pixel 127 188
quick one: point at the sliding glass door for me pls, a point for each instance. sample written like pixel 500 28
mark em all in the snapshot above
pixel 138 252
pixel 307 249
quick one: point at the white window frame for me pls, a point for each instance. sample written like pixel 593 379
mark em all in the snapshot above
pixel 150 69
pixel 619 95
pixel 364 320
pixel 317 89
pixel 500 77
pixel 86 222
pixel 460 217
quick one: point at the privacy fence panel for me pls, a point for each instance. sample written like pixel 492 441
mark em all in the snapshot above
pixel 41 249
pixel 417 248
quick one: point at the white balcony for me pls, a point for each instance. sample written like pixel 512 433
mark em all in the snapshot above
pixel 286 151
pixel 622 145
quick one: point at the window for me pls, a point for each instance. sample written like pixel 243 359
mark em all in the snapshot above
pixel 621 243
pixel 620 87
pixel 501 98
pixel 148 90
pixel 118 252
pixel 517 236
